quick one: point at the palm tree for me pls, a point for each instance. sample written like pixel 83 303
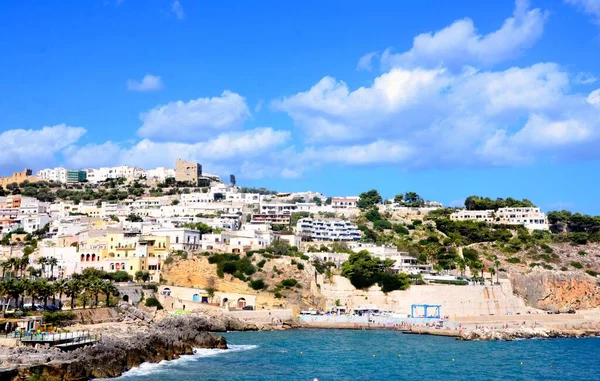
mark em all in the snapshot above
pixel 60 287
pixel 14 264
pixel 30 288
pixel 109 288
pixel 45 290
pixel 4 292
pixel 73 288
pixel 42 262
pixel 15 288
pixel 492 271
pixel 23 262
pixel 95 287
pixel 85 287
pixel 6 265
pixel 52 261
pixel 497 263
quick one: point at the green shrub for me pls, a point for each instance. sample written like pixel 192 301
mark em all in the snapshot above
pixel 257 284
pixel 382 225
pixel 564 268
pixel 58 318
pixel 300 266
pixel 577 265
pixel 513 260
pixel 278 295
pixel 288 283
pixel 153 302
pixel 229 267
pixel 547 249
pixel 592 273
pixel 120 276
pixel 304 257
pixel 150 286
pixel 400 229
pixel 261 264
pixel 583 253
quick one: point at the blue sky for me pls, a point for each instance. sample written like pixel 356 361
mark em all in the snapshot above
pixel 444 98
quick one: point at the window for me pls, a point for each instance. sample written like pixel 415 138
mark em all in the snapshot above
pixel 176 239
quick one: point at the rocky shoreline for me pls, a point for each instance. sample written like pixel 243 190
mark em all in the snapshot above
pixel 509 334
pixel 123 346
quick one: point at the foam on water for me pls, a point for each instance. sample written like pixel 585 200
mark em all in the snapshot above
pixel 151 368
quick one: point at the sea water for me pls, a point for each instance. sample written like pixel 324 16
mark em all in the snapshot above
pixel 378 355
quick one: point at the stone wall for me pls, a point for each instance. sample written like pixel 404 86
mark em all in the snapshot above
pixel 454 300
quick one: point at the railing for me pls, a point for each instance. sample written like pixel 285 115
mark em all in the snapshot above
pixel 52 338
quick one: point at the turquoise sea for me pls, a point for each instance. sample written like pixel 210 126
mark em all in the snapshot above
pixel 378 355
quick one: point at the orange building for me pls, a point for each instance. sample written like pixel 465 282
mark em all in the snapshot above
pixel 18 177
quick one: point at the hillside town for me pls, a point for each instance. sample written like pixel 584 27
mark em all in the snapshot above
pixel 137 232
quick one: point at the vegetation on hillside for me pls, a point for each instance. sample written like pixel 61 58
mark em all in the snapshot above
pixel 364 271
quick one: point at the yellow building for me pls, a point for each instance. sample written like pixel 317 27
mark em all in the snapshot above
pixel 131 252
pixel 18 177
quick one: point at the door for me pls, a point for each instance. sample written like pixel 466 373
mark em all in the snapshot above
pixel 196 298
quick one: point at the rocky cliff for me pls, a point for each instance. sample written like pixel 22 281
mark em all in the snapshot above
pixel 166 340
pixel 557 291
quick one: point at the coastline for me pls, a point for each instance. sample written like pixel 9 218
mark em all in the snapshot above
pixel 125 345
pixel 478 329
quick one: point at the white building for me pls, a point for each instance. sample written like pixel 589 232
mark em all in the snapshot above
pixel 58 174
pixel 97 175
pixel 284 208
pixel 476 215
pixel 344 202
pixel 530 218
pixel 180 238
pixel 327 230
pixel 159 173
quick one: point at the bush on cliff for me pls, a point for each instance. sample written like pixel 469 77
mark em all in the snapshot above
pixel 153 302
pixel 257 284
pixel 577 265
pixel 58 317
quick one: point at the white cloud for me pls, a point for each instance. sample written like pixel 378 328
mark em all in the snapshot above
pixel 35 148
pixel 329 110
pixel 194 120
pixel 460 44
pixel 231 148
pixel 594 98
pixel 436 118
pixel 177 9
pixel 148 83
pixel 585 78
pixel 379 151
pixel 366 62
pixel 588 6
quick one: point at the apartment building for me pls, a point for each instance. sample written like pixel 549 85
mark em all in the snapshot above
pixel 97 175
pixel 278 219
pixel 530 218
pixel 62 175
pixel 317 230
pixel 160 173
pixel 476 215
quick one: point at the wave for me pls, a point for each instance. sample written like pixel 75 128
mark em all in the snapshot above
pixel 150 368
